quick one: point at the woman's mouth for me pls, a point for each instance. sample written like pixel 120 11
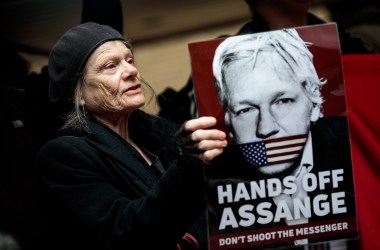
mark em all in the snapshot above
pixel 135 89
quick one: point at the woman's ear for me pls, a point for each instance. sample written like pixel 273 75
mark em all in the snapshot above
pixel 82 102
pixel 315 112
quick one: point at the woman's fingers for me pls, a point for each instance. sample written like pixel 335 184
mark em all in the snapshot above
pixel 204 134
pixel 203 141
pixel 203 122
pixel 211 154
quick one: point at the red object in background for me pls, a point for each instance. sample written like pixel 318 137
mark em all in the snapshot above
pixel 362 86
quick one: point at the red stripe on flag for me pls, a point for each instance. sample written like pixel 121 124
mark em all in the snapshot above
pixel 284 149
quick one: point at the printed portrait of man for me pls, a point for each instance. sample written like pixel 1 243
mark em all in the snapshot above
pixel 270 91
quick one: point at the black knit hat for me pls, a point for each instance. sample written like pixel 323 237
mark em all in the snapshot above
pixel 70 54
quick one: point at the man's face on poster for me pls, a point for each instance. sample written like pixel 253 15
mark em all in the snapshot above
pixel 267 101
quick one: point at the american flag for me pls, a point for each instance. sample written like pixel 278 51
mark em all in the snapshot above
pixel 273 151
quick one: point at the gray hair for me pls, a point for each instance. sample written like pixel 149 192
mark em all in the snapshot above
pixel 287 43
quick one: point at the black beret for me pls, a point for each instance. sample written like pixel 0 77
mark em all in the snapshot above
pixel 70 54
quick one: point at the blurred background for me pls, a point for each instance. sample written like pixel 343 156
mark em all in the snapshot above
pixel 159 30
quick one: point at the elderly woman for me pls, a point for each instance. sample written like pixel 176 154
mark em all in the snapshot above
pixel 117 177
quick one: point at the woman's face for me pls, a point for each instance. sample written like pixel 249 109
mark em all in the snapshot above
pixel 266 102
pixel 111 81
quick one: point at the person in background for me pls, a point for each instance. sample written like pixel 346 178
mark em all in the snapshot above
pixel 118 177
pixel 361 21
pixel 21 213
pixel 270 92
pixel 278 14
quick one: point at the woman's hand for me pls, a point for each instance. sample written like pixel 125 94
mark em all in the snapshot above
pixel 203 141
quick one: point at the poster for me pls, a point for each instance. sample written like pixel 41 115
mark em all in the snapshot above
pixel 285 179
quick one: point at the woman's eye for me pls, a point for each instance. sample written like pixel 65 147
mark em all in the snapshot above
pixel 110 66
pixel 130 61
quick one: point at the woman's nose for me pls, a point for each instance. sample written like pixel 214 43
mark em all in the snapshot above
pixel 267 125
pixel 129 70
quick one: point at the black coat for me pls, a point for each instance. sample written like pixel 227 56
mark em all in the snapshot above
pixel 103 195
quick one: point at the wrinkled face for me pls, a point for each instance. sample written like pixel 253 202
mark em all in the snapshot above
pixel 266 102
pixel 112 83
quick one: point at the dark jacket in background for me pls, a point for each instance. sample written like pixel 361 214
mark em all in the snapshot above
pixel 348 43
